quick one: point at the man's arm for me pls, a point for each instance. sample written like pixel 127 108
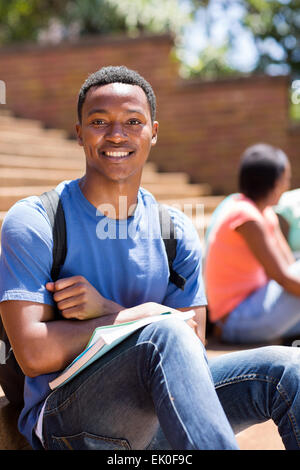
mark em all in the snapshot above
pixel 43 345
pixel 77 298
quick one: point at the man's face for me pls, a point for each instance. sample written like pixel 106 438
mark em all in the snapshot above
pixel 116 131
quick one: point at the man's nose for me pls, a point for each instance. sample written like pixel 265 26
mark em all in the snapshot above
pixel 116 133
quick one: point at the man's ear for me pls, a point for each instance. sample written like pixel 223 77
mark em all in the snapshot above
pixel 79 134
pixel 154 133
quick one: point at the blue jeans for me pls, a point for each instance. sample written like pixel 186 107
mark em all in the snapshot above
pixel 259 384
pixel 157 376
pixel 156 391
pixel 266 315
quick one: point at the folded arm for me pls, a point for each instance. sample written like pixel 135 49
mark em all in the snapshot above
pixel 43 345
pixel 77 298
pixel 274 261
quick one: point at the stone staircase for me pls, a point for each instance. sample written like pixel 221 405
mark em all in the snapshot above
pixel 33 160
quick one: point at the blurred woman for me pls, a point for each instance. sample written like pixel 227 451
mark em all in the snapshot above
pixel 252 279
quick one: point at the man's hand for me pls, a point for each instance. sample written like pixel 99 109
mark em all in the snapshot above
pixel 77 298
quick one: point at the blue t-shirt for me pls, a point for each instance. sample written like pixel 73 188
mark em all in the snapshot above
pixel 125 260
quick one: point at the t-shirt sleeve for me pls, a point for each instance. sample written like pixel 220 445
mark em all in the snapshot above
pixel 188 263
pixel 26 253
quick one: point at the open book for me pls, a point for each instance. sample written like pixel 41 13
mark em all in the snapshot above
pixel 105 338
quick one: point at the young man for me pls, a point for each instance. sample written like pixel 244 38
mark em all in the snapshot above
pixel 116 270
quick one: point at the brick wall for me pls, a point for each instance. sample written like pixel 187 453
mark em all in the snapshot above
pixel 210 124
pixel 204 127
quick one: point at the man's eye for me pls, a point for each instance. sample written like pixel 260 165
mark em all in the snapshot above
pixel 134 122
pixel 98 122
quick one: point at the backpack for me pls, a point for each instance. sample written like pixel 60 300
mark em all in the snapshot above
pixel 11 376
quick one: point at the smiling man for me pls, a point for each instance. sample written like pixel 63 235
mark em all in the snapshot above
pixel 155 389
pixel 119 401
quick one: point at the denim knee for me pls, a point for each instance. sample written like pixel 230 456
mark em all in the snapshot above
pixel 169 327
pixel 172 332
pixel 282 364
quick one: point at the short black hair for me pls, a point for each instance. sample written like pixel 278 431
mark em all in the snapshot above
pixel 260 168
pixel 116 74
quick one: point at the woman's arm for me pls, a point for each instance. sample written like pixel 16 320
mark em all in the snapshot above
pixel 284 249
pixel 275 266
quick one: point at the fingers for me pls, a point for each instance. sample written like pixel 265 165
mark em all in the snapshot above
pixel 70 302
pixel 69 295
pixel 50 286
pixel 76 312
pixel 76 297
pixel 69 292
pixel 68 287
pixel 65 282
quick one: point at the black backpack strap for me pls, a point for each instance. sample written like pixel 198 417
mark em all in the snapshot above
pixel 168 233
pixel 11 375
pixel 53 206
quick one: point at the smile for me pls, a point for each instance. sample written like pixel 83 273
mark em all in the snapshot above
pixel 117 154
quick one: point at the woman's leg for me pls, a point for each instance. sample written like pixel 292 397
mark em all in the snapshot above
pixel 267 314
pixel 158 376
pixel 260 384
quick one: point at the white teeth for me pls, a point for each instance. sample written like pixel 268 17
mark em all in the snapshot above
pixel 117 154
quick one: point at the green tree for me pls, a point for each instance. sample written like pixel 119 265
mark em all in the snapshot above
pixel 25 19
pixel 22 19
pixel 273 24
pixel 133 16
pixel 210 64
pixel 277 21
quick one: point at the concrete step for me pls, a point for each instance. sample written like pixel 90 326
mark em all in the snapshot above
pixel 35 177
pixel 66 150
pixel 8 119
pixel 167 178
pixel 19 131
pixel 34 136
pixel 21 175
pixel 179 191
pixel 29 162
pixel 10 195
pixel 195 206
